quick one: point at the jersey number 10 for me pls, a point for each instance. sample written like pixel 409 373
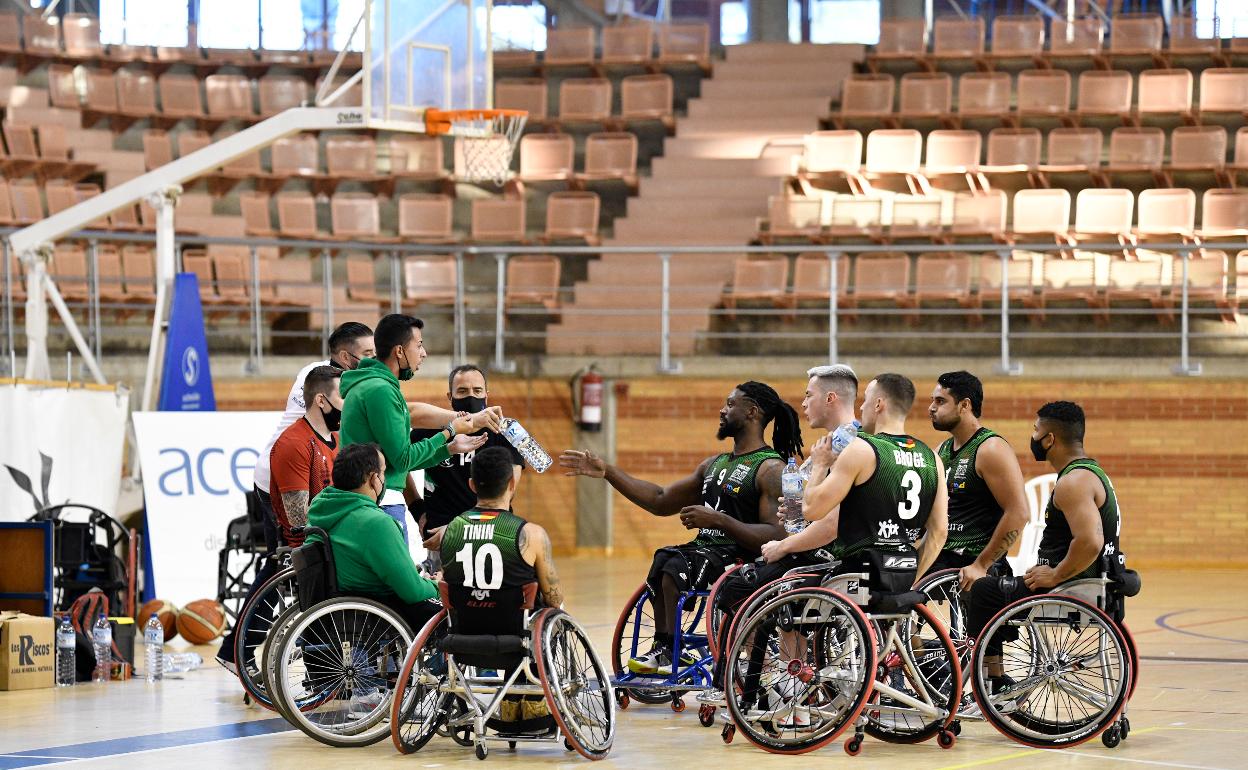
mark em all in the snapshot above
pixel 488 559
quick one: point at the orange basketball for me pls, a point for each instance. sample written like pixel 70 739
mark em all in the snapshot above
pixel 165 611
pixel 201 621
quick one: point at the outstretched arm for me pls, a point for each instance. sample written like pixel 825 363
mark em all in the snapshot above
pixel 660 501
pixel 535 548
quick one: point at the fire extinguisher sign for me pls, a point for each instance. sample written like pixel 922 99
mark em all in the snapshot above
pixel 591 386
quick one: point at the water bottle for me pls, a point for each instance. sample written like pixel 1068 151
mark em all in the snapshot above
pixel 845 434
pixel 182 662
pixel 66 654
pixel 793 485
pixel 534 456
pixel 102 642
pixel 153 650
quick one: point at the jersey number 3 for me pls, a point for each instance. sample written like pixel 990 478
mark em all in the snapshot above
pixel 487 560
pixel 913 484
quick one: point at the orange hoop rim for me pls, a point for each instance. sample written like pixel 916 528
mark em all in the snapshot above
pixel 438 122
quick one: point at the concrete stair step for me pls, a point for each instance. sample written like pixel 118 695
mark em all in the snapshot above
pixel 693 186
pixel 743 146
pixel 692 127
pixel 779 107
pixel 671 231
pixel 703 209
pixel 828 86
pixel 781 70
pixel 672 167
pixel 756 52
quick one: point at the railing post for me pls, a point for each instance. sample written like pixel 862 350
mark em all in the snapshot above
pixel 396 279
pixel 94 329
pixel 257 329
pixel 327 279
pixel 666 364
pixel 459 316
pixel 501 364
pixel 1006 366
pixel 9 366
pixel 834 259
pixel 1185 367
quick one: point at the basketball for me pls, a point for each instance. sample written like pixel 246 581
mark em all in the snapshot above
pixel 166 611
pixel 201 621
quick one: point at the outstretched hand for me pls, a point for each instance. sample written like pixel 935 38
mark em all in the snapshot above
pixel 465 442
pixel 490 418
pixel 577 462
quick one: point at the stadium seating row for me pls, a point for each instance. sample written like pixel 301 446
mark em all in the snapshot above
pixel 621 45
pixel 642 97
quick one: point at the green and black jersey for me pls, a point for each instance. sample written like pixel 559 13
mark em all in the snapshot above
pixel 973 512
pixel 730 487
pixel 481 550
pixel 889 510
pixel 1055 542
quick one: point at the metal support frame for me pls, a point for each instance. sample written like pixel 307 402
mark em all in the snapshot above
pixel 1186 366
pixel 163 201
pixel 256 360
pixel 833 350
pixel 666 364
pixel 8 365
pixel 327 296
pixel 396 279
pixel 459 314
pixel 501 364
pixel 94 327
pixel 1006 366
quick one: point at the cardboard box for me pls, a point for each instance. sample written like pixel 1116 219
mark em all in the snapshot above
pixel 27 651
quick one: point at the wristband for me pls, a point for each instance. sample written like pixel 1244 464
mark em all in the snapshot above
pixel 450 428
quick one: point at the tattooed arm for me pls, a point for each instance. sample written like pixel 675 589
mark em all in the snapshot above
pixel 535 548
pixel 296 505
pixel 998 467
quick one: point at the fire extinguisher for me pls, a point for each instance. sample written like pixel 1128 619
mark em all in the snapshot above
pixel 587 392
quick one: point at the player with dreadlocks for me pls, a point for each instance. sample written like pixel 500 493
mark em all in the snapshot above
pixel 731 500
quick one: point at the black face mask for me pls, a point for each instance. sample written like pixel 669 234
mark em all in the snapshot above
pixel 333 418
pixel 1037 449
pixel 469 404
pixel 406 372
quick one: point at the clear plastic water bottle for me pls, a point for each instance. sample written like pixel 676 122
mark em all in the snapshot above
pixel 66 654
pixel 182 662
pixel 153 650
pixel 534 456
pixel 844 435
pixel 793 485
pixel 102 642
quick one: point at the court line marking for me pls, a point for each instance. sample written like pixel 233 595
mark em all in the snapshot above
pixel 1192 625
pixel 1177 659
pixel 1162 622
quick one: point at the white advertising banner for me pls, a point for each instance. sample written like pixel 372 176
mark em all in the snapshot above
pixel 197 467
pixel 61 444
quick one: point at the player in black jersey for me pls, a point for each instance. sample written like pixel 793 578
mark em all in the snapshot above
pixel 446 492
pixel 1081 528
pixel 731 500
pixel 987 506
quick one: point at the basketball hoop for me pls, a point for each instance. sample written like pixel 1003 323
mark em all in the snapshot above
pixel 485 140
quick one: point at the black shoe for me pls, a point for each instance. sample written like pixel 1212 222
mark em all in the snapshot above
pixel 999 685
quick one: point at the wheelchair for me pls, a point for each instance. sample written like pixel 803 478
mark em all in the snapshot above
pixel 822 649
pixel 239 561
pixel 465 669
pixel 331 661
pixel 1072 662
pixel 256 622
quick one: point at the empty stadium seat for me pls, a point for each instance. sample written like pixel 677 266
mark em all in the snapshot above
pixel 1166 214
pixel 295 156
pixel 351 157
pixel 1223 94
pixel 1041 213
pixel 179 95
pixel 528 94
pixel 545 157
pixel 1017 39
pixel 1198 157
pixel 62 88
pixel 1136 156
pixel 925 97
pixel 901 40
pixel 812 274
pixel 229 96
pixel 793 217
pixel 881 277
pixel 685 44
pixel 955 38
pixel 762 278
pixel 1104 215
pixel 296 215
pixel 1043 94
pixel 281 92
pixel 832 152
pixel 984 95
pixel 362 280
pixel 1165 94
pixel 157 148
pixel 425 218
pixel 866 96
pixel 1073 158
pixel 429 280
pixel 630 44
pixel 1224 214
pixel 533 280
pixel 979 215
pixel 498 219
pixel 952 158
pixel 572 214
pixel 254 206
pixel 1075 43
pixel 416 156
pixel 585 99
pixel 43 35
pixel 944 278
pixel 611 155
pixel 355 215
pixel 10 32
pixel 1104 94
pixel 1135 36
pixel 569 46
pixel 647 97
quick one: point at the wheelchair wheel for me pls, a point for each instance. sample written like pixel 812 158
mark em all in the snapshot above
pixel 761 595
pixel 418 702
pixel 1135 659
pixel 281 626
pixel 1070 667
pixel 946 602
pixel 578 687
pixel 805 663
pixel 920 661
pixel 256 622
pixel 343 656
pixel 634 631
pixel 714 616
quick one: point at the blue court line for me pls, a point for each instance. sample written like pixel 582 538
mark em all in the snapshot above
pixel 130 745
pixel 1164 622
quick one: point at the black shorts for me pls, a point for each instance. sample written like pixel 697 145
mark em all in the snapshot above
pixel 955 560
pixel 988 597
pixel 692 567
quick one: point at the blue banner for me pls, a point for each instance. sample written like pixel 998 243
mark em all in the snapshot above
pixel 186 378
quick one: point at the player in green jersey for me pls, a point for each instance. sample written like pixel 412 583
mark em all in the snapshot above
pixel 987 505
pixel 1081 528
pixel 731 500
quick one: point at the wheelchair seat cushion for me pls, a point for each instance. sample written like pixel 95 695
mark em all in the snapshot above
pixel 896 602
pixel 483 644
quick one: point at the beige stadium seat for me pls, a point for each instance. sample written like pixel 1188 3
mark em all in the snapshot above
pixel 812 274
pixel 984 95
pixel 570 46
pixel 903 40
pixel 1071 280
pixel 546 157
pixel 831 153
pixel 1188 49
pixel 136 93
pixel 296 155
pixel 881 277
pixel 763 278
pixel 1135 36
pixel 629 44
pixel 944 278
pixel 62 91
pixel 925 97
pixel 1080 39
pixel 956 38
pixel 1137 280
pixel 791 217
pixel 100 96
pixel 855 218
pixel 1104 93
pixel 533 280
pixel 866 97
pixel 417 156
pixel 229 96
pixel 157 148
pixel 60 195
pixel 1017 39
pixel 1166 214
pixel 190 141
pixel 6 203
pixel 528 94
pixel 355 215
pixel 1043 94
pixel 1223 93
pixel 351 157
pixel 179 95
pixel 498 219
pixel 1041 213
pixel 138 262
pixel 43 35
pixel 1165 94
pixel 1021 272
pixel 10 32
pixel 296 215
pixel 429 280
pixel 1198 157
pixel 647 97
pixel 425 218
pixel 573 214
pixel 1073 158
pixel 1013 148
pixel 585 99
pixel 57 154
pixel 198 262
pixel 611 155
pixel 254 206
pixel 979 215
pixel 108 275
pixel 1207 280
pixel 952 158
pixel 685 44
pixel 893 157
pixel 282 92
pixel 1224 214
pixel 1104 215
pixel 362 280
pixel 69 269
pixel 1136 156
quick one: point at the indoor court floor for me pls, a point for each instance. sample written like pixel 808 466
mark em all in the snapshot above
pixel 1188 711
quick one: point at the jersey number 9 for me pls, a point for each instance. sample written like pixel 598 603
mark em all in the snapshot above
pixel 487 560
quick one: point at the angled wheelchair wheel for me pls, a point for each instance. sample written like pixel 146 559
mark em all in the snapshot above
pixel 634 635
pixel 577 684
pixel 256 623
pixel 336 670
pixel 1070 669
pixel 269 652
pixel 714 616
pixel 919 662
pixel 804 663
pixel 419 703
pixel 1135 658
pixel 948 604
pixel 762 595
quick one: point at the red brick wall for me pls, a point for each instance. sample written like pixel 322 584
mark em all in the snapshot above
pixel 1175 448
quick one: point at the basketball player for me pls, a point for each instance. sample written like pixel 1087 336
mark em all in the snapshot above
pixel 987 506
pixel 1081 525
pixel 731 500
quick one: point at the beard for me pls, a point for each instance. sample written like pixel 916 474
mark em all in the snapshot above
pixel 726 430
pixel 945 425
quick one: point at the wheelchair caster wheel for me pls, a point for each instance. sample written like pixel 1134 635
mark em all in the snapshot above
pixel 1111 737
pixel 729 731
pixel 247 701
pixel 706 716
pixel 956 727
pixel 567 745
pixel 622 700
pixel 1126 727
pixel 678 704
pixel 511 745
pixel 945 739
pixel 482 751
pixel 853 746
